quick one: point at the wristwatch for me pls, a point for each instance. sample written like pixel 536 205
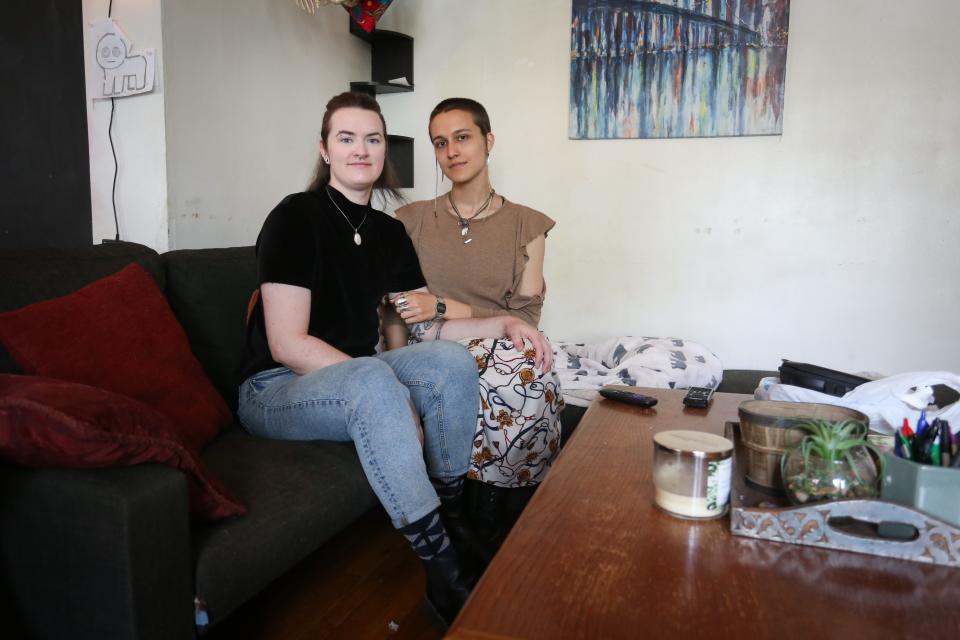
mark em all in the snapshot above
pixel 441 308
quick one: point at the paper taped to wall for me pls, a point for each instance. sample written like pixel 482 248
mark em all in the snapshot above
pixel 118 72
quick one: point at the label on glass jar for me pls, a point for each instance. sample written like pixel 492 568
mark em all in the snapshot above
pixel 718 484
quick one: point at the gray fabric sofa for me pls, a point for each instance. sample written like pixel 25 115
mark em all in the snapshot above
pixel 111 553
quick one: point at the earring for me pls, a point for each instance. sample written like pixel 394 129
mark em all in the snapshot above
pixel 327 160
pixel 436 180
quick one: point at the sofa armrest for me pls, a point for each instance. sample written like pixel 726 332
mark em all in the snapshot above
pixel 743 380
pixel 100 553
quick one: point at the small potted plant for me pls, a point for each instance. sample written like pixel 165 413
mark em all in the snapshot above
pixel 833 460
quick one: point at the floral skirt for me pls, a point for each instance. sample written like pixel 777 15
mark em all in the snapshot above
pixel 518 427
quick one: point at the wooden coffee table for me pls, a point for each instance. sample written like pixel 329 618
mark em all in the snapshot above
pixel 592 557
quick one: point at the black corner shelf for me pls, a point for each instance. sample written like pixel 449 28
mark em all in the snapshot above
pixel 391 58
pixel 400 150
pixel 379 88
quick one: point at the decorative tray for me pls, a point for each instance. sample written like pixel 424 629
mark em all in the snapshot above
pixel 846 525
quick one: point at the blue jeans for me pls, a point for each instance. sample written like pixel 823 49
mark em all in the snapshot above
pixel 367 401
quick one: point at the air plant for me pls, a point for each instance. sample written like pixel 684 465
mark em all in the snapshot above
pixel 830 442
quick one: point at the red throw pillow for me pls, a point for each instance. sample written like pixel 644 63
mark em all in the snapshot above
pixel 119 334
pixel 52 423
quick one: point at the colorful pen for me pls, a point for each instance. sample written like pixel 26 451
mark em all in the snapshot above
pixel 946 452
pixel 934 440
pixel 921 445
pixel 907 431
pixel 904 446
pixel 922 422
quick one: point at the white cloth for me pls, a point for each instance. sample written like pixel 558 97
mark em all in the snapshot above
pixel 886 402
pixel 665 363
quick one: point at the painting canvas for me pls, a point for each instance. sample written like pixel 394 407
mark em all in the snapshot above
pixel 677 68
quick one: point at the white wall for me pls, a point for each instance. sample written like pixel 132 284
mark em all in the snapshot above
pixel 835 243
pixel 138 136
pixel 246 85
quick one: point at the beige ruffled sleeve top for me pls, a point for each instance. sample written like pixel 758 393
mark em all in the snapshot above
pixel 486 272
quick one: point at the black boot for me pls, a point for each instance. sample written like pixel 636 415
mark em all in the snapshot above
pixel 476 551
pixel 448 584
pixel 448 587
pixel 487 512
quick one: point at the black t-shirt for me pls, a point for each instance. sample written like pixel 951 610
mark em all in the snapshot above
pixel 307 242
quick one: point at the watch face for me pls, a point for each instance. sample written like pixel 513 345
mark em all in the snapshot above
pixel 441 308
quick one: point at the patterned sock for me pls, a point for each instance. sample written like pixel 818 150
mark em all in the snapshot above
pixel 448 489
pixel 427 536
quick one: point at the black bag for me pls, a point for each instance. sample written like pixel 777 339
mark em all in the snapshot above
pixel 810 376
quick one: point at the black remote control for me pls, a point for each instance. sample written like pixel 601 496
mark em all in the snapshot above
pixel 698 397
pixel 626 394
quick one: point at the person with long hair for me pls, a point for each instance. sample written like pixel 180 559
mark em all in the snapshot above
pixel 482 256
pixel 327 261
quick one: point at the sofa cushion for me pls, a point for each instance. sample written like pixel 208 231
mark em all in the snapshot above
pixel 208 290
pixel 32 275
pixel 119 334
pixel 52 423
pixel 300 494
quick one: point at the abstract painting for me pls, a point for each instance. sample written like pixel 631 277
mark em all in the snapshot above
pixel 677 68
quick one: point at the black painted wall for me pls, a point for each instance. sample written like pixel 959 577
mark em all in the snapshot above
pixel 44 162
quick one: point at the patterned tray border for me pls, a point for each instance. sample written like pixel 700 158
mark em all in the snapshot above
pixel 936 543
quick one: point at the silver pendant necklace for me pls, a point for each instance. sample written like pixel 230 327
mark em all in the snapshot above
pixel 356 229
pixel 464 223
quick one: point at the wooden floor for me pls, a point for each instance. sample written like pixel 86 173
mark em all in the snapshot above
pixel 353 588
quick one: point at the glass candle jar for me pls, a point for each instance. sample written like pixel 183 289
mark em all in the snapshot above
pixel 691 473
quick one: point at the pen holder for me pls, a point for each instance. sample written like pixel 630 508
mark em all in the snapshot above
pixel 935 490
